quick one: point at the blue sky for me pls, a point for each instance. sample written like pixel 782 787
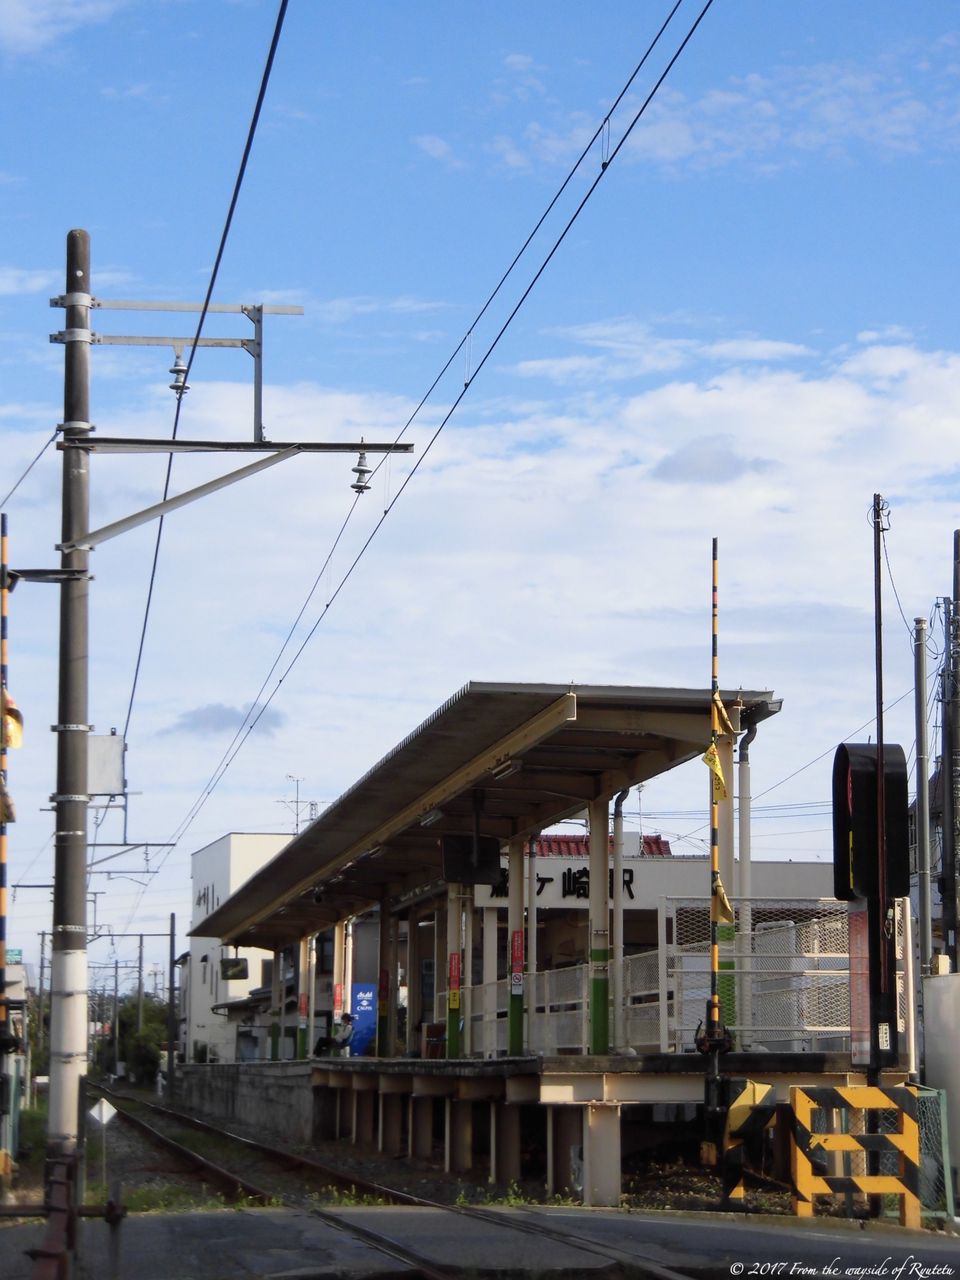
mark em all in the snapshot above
pixel 750 329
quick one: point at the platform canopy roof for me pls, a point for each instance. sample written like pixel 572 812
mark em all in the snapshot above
pixel 512 758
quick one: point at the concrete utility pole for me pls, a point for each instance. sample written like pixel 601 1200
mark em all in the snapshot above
pixel 41 1031
pixel 140 987
pixel 923 799
pixel 950 768
pixel 116 1016
pixel 172 1014
pixel 68 984
pixel 68 966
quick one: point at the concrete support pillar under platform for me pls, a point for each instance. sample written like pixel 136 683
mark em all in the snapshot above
pixel 344 1113
pixel 458 1141
pixel 505 1142
pixel 364 1114
pixel 420 1128
pixel 567 1146
pixel 390 1135
pixel 325 1105
pixel 601 1155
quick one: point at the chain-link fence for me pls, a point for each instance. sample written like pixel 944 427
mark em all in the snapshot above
pixel 936 1183
pixel 783 980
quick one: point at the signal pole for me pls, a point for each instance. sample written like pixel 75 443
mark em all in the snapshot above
pixel 68 964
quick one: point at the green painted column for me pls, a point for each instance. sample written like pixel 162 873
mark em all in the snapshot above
pixel 727 980
pixel 384 984
pixel 599 927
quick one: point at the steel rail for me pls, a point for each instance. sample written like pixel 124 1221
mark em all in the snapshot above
pixel 231 1181
pixel 610 1253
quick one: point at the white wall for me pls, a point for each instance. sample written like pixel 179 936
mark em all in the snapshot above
pixel 941 1020
pixel 217 871
pixel 671 876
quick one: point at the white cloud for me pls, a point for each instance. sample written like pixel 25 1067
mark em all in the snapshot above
pixel 566 538
pixel 438 149
pixel 885 333
pixel 16 280
pixel 27 26
pixel 761 350
pixel 509 153
pixel 631 350
pixel 340 310
pixel 772 120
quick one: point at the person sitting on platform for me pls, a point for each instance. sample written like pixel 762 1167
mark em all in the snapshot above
pixel 337 1042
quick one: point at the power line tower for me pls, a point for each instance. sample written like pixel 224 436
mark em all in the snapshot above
pixel 68 984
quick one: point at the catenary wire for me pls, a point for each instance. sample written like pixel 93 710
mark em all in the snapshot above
pixel 823 754
pixel 198 805
pixel 280 652
pixel 465 340
pixel 6 498
pixel 251 132
pixel 896 594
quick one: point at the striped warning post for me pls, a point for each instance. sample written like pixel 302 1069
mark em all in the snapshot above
pixel 751 1110
pixel 809 1150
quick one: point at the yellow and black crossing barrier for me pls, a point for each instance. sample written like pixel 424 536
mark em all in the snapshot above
pixel 809 1151
pixel 751 1110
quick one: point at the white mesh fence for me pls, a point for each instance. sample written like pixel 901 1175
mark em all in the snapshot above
pixel 784 985
pixel 784 974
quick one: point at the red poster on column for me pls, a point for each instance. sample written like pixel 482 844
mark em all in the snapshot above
pixel 453 987
pixel 337 1000
pixel 302 1008
pixel 516 951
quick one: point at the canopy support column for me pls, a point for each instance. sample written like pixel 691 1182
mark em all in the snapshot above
pixel 515 933
pixel 599 927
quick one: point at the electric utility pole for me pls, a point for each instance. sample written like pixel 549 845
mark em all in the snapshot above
pixel 68 964
pixel 68 969
pixel 950 765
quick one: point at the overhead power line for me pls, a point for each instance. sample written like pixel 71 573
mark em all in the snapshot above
pixel 251 132
pixel 254 709
pixel 254 715
pixel 458 400
pixel 7 496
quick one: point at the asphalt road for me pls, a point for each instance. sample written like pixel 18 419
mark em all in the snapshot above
pixel 271 1244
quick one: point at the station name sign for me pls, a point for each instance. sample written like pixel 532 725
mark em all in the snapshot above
pixel 560 882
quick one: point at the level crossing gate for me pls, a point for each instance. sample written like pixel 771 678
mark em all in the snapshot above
pixel 808 1148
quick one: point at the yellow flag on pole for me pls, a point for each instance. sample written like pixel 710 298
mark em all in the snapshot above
pixel 12 721
pixel 711 759
pixel 724 719
pixel 722 907
pixel 7 811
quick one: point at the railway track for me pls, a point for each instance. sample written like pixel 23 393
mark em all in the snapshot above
pixel 296 1181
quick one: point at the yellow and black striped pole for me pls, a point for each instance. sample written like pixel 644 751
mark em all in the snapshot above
pixel 713 1004
pixel 714 1040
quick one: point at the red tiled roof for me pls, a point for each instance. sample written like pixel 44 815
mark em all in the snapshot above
pixel 579 846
